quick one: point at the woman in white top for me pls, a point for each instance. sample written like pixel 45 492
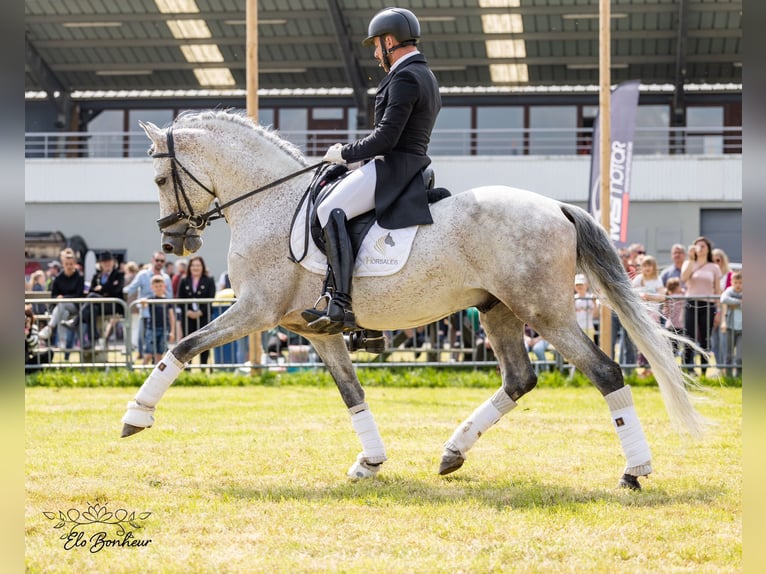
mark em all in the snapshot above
pixel 650 288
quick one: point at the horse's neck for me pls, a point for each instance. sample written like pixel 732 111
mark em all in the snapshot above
pixel 270 210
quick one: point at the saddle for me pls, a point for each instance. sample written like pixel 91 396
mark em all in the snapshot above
pixel 326 178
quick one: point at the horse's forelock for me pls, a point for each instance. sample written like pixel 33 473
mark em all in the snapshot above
pixel 192 117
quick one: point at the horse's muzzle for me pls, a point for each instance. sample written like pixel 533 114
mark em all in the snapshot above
pixel 181 244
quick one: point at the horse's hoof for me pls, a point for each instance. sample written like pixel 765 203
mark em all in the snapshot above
pixel 129 430
pixel 629 481
pixel 361 470
pixel 451 461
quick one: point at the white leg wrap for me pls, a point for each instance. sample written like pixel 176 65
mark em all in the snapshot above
pixel 628 427
pixel 469 431
pixel 373 450
pixel 159 380
pixel 141 408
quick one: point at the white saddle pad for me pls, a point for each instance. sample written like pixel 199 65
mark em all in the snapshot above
pixel 383 251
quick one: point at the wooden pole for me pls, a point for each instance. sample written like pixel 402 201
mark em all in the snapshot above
pixel 251 57
pixel 251 79
pixel 604 115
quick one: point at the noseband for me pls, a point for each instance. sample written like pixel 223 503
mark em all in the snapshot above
pixel 204 219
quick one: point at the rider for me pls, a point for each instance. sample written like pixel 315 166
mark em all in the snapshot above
pixel 406 105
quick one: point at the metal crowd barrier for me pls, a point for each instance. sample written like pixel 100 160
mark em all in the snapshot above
pixel 117 340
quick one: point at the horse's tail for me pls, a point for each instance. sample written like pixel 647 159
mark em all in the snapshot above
pixel 598 259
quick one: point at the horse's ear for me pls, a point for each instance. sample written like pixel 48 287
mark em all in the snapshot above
pixel 153 132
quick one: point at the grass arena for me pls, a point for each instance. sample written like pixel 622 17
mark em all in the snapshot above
pixel 252 479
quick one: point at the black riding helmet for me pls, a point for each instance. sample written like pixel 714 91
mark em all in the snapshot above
pixel 399 22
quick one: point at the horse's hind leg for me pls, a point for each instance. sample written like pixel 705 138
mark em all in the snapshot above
pixel 606 375
pixel 506 334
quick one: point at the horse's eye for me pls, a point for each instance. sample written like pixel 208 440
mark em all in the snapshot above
pixel 160 181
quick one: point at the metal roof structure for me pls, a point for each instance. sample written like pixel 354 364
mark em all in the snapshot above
pixel 75 47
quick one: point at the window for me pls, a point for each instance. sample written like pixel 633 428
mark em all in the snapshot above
pixel 138 143
pixel 452 132
pixel 652 124
pixel 553 130
pixel 109 125
pixel 500 130
pixel 703 123
pixel 293 123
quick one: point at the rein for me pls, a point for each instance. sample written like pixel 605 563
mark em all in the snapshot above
pixel 202 220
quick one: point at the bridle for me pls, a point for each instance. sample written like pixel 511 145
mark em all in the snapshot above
pixel 194 221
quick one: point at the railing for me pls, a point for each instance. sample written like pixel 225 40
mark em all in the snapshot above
pixel 461 142
pixel 457 340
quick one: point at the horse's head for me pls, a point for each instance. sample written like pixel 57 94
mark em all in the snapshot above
pixel 185 191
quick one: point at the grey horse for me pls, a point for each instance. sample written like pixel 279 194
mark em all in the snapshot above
pixel 509 252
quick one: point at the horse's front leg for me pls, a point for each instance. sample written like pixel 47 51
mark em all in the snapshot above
pixel 234 324
pixel 332 350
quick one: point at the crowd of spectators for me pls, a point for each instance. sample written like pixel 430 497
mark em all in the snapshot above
pixel 697 295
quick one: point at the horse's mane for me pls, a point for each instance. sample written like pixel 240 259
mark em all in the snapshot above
pixel 241 119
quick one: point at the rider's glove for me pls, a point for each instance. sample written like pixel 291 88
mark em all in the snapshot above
pixel 334 155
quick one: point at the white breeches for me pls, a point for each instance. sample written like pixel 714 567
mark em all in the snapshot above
pixel 355 195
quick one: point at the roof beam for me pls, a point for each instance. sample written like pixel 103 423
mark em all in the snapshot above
pixel 459 11
pixel 682 27
pixel 313 40
pixel 353 70
pixel 58 94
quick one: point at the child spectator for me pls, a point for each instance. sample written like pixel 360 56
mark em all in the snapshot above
pixel 674 308
pixel 161 326
pixel 649 287
pixel 586 306
pixel 731 324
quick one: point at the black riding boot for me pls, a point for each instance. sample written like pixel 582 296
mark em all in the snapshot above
pixel 338 316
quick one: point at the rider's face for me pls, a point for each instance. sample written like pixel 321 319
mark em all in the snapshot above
pixel 380 42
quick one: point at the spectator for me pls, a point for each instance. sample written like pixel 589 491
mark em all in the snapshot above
pixel 182 265
pixel 678 255
pixel 534 343
pixel 197 285
pixel 68 284
pixel 108 281
pixel 636 252
pixel 649 287
pixel 38 285
pixel 170 269
pixel 131 270
pixel 141 287
pixel 731 324
pixel 586 306
pixel 673 309
pixel 161 326
pixel 223 281
pixel 703 280
pixel 627 354
pixel 54 268
pixel 31 342
pixel 722 260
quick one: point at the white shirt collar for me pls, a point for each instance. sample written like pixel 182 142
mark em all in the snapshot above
pixel 403 58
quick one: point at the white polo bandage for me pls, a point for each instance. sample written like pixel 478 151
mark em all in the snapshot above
pixel 469 431
pixel 367 431
pixel 160 379
pixel 625 420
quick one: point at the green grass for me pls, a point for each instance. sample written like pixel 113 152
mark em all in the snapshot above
pixel 252 479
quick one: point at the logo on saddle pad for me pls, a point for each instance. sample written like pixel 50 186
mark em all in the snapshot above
pixel 383 251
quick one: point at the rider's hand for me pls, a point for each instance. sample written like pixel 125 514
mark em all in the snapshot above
pixel 334 155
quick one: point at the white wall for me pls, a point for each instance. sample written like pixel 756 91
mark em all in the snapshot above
pixel 112 203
